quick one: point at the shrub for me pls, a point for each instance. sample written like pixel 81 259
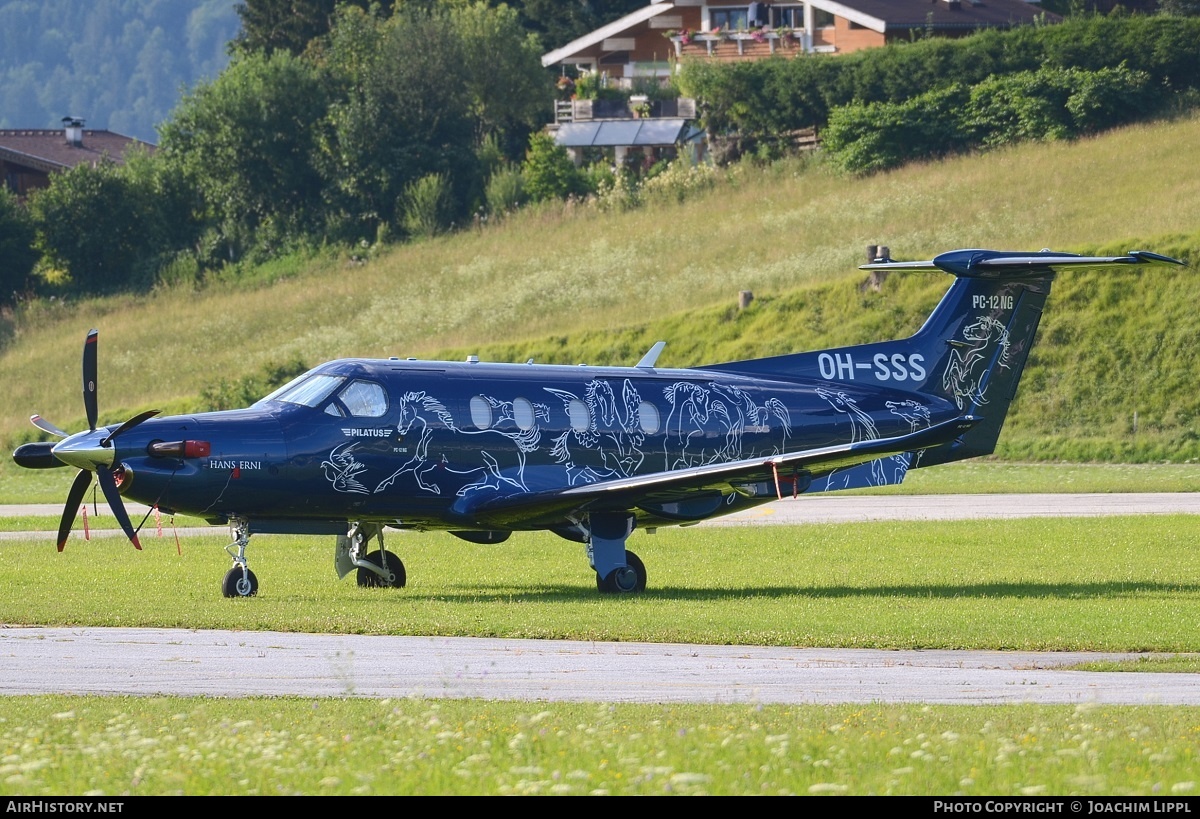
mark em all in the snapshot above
pixel 505 190
pixel 876 136
pixel 549 171
pixel 17 253
pixel 425 205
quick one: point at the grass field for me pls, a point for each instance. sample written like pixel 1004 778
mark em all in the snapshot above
pixel 1110 584
pixel 130 746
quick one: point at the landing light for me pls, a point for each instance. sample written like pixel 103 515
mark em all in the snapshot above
pixel 179 449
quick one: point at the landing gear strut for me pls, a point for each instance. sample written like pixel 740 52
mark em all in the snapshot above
pixel 618 571
pixel 239 581
pixel 379 568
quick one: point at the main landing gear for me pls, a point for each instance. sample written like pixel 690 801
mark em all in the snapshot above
pixel 618 571
pixel 380 568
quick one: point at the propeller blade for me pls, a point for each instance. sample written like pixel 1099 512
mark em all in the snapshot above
pixel 130 424
pixel 45 426
pixel 108 485
pixel 39 455
pixel 89 378
pixel 74 498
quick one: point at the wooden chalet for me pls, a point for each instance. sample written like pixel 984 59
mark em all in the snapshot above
pixel 28 156
pixel 650 41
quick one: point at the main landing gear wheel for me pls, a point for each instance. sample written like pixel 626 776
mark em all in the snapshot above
pixel 368 578
pixel 626 580
pixel 239 584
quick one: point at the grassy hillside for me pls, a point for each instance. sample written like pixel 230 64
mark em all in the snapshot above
pixel 576 285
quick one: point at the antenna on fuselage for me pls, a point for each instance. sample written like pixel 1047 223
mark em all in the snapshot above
pixel 651 357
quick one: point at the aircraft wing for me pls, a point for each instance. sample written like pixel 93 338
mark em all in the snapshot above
pixel 513 510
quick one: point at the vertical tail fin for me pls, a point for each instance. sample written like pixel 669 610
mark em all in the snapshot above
pixel 966 359
pixel 976 342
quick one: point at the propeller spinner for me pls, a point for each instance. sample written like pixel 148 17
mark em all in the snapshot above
pixel 90 451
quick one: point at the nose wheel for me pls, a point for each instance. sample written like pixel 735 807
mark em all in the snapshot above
pixel 239 582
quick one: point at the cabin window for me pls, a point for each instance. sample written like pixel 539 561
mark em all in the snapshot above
pixel 310 391
pixel 648 417
pixel 364 399
pixel 581 419
pixel 481 412
pixel 523 413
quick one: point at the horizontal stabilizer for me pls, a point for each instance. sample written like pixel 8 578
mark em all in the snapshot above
pixel 1016 264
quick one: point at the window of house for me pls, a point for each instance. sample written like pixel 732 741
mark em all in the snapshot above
pixel 822 18
pixel 730 17
pixel 787 16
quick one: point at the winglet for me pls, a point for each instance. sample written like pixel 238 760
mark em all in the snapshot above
pixel 651 357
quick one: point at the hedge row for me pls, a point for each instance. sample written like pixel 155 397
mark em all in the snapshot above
pixel 1046 104
pixel 761 99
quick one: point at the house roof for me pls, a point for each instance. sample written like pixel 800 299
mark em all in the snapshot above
pixel 47 149
pixel 882 16
pixel 604 32
pixel 898 15
pixel 623 132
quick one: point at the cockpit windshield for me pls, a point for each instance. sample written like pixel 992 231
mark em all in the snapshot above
pixel 307 390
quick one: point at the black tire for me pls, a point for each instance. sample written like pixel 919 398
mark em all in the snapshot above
pixel 620 581
pixel 368 579
pixel 236 584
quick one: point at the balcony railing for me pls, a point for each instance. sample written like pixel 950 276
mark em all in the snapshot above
pixel 587 110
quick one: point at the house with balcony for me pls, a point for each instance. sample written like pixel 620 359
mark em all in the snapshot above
pixel 650 41
pixel 643 48
pixel 28 156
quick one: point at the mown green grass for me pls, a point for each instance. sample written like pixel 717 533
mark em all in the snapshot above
pixel 1112 584
pixel 140 746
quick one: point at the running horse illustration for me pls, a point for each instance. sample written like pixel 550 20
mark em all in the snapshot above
pixel 967 374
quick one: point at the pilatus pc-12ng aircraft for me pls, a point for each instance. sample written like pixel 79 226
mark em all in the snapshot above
pixel 482 450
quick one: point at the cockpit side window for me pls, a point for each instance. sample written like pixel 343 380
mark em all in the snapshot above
pixel 309 392
pixel 364 399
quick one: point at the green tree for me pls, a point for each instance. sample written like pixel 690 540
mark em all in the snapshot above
pixel 17 252
pixel 558 22
pixel 248 142
pixel 549 171
pixel 510 93
pixel 90 224
pixel 289 25
pixel 1180 8
pixel 450 89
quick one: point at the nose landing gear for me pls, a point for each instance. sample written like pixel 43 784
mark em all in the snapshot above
pixel 239 581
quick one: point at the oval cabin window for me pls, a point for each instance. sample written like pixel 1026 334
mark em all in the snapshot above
pixel 481 412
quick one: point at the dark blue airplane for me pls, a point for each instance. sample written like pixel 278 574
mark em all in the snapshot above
pixel 590 453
